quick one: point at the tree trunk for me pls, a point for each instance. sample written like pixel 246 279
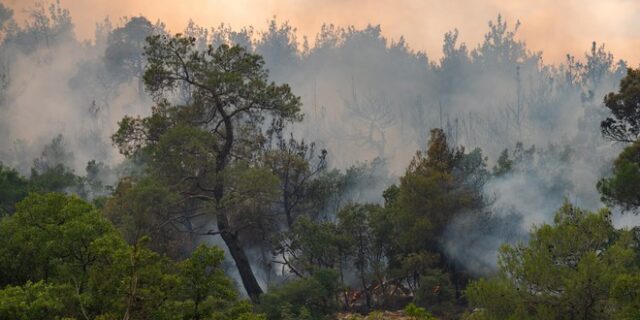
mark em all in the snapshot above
pixel 226 232
pixel 240 258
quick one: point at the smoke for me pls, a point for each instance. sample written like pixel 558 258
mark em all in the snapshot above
pixel 528 195
pixel 59 86
pixel 558 27
pixel 364 97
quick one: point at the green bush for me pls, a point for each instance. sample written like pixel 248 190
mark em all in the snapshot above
pixel 436 291
pixel 418 313
pixel 309 298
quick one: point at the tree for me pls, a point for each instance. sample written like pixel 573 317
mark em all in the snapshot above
pixel 6 19
pixel 204 286
pixel 59 257
pixel 436 292
pixel 124 55
pixel 310 246
pixel 198 144
pixel 376 115
pixel 440 185
pixel 54 179
pixel 504 164
pixel 437 186
pixel 53 154
pixel 357 243
pixel 299 168
pixel 305 190
pixel 50 236
pixel 13 188
pixel 144 207
pixel 567 271
pixel 279 47
pixel 624 124
pixel 37 300
pixel 47 26
pixel 625 292
pixel 356 223
pixel 309 298
pixel 50 171
pixel 622 188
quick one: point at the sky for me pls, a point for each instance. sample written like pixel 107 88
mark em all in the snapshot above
pixel 556 27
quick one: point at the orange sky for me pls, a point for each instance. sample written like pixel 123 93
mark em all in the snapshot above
pixel 553 26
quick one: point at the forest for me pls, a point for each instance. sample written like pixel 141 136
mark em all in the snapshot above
pixel 248 173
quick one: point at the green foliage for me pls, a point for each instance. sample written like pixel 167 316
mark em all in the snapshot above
pixel 135 282
pixel 624 124
pixel 50 236
pixel 59 257
pixel 504 165
pixel 208 151
pixel 55 179
pixel 50 172
pixel 141 207
pixel 124 54
pixel 394 248
pixel 208 169
pixel 437 186
pixel 373 174
pixel 312 246
pixel 302 177
pixel 436 291
pixel 568 270
pixel 363 226
pixel 203 282
pixel 174 61
pixel 308 298
pixel 622 189
pixel 35 301
pixel 626 291
pixel 252 190
pixel 13 188
pixel 367 231
pixel 94 181
pixel 417 313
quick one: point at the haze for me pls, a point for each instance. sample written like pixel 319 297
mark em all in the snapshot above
pixel 345 155
pixel 554 27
